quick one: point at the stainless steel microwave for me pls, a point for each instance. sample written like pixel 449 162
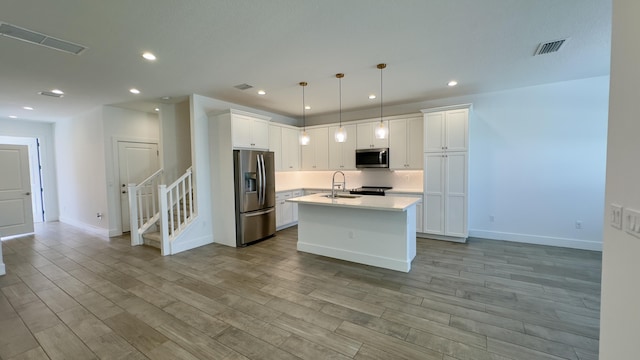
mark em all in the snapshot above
pixel 372 158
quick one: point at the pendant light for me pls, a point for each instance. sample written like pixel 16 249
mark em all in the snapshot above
pixel 341 134
pixel 304 137
pixel 381 130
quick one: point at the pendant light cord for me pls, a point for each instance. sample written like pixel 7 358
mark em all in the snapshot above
pixel 340 92
pixel 381 66
pixel 304 121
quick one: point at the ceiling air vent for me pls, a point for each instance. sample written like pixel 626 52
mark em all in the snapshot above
pixel 37 38
pixel 549 47
pixel 243 86
pixel 49 93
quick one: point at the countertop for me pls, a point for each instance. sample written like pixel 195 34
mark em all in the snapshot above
pixel 384 203
pixel 416 191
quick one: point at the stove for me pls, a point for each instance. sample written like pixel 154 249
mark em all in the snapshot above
pixel 371 190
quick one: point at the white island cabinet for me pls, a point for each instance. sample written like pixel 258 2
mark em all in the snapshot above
pixel 372 230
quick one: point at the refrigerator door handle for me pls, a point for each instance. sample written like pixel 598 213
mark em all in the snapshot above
pixel 259 213
pixel 264 180
pixel 260 179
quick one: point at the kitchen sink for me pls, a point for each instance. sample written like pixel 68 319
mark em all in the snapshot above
pixel 341 196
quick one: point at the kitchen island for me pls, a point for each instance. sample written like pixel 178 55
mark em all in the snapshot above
pixel 372 230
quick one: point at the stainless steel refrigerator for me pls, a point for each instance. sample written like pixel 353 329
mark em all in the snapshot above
pixel 255 195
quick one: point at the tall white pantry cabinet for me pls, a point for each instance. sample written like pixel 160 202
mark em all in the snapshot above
pixel 446 145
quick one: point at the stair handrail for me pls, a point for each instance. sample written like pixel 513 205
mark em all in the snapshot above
pixel 175 214
pixel 144 207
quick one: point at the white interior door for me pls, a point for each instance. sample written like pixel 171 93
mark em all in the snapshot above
pixel 16 213
pixel 137 161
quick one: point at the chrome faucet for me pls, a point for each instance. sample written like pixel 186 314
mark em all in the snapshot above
pixel 333 183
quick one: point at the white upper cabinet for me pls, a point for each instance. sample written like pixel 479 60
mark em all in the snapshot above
pixel 366 138
pixel 290 149
pixel 283 141
pixel 342 156
pixel 446 130
pixel 405 143
pixel 249 132
pixel 315 155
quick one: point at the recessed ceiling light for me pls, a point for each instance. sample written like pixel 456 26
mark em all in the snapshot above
pixel 149 56
pixel 157 109
pixel 372 96
pixel 452 83
pixel 134 91
pixel 13 116
pixel 307 107
pixel 166 98
pixel 27 107
pixel 262 92
pixel 57 91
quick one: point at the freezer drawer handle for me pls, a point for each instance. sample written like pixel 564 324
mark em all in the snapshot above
pixel 260 213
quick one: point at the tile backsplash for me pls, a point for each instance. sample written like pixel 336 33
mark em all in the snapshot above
pixel 400 179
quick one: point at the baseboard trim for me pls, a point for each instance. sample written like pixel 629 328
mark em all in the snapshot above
pixel 361 258
pixel 180 245
pixel 84 226
pixel 537 240
pixel 114 232
pixel 441 237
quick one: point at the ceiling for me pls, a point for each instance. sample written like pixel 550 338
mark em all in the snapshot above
pixel 209 46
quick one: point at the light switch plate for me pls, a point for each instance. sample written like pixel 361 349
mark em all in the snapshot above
pixel 631 221
pixel 615 215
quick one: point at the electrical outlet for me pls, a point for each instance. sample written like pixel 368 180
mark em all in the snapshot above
pixel 492 218
pixel 631 221
pixel 578 224
pixel 615 215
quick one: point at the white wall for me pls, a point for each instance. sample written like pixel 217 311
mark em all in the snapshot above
pixel 175 134
pixel 122 125
pixel 82 181
pixel 620 315
pixel 200 232
pixel 537 163
pixel 45 133
pixel 88 164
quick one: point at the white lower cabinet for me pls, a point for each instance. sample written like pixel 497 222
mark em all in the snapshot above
pixel 286 212
pixel 419 215
pixel 445 194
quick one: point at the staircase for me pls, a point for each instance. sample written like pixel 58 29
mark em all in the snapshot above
pixel 154 238
pixel 160 213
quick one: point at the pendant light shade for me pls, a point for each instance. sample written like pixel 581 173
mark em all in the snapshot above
pixel 304 137
pixel 381 131
pixel 341 134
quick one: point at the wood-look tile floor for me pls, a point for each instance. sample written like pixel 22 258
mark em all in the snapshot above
pixel 73 295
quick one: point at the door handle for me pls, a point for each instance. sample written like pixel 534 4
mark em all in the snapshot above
pixel 124 191
pixel 260 213
pixel 28 193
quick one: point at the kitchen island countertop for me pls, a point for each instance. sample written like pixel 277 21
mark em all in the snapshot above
pixel 370 202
